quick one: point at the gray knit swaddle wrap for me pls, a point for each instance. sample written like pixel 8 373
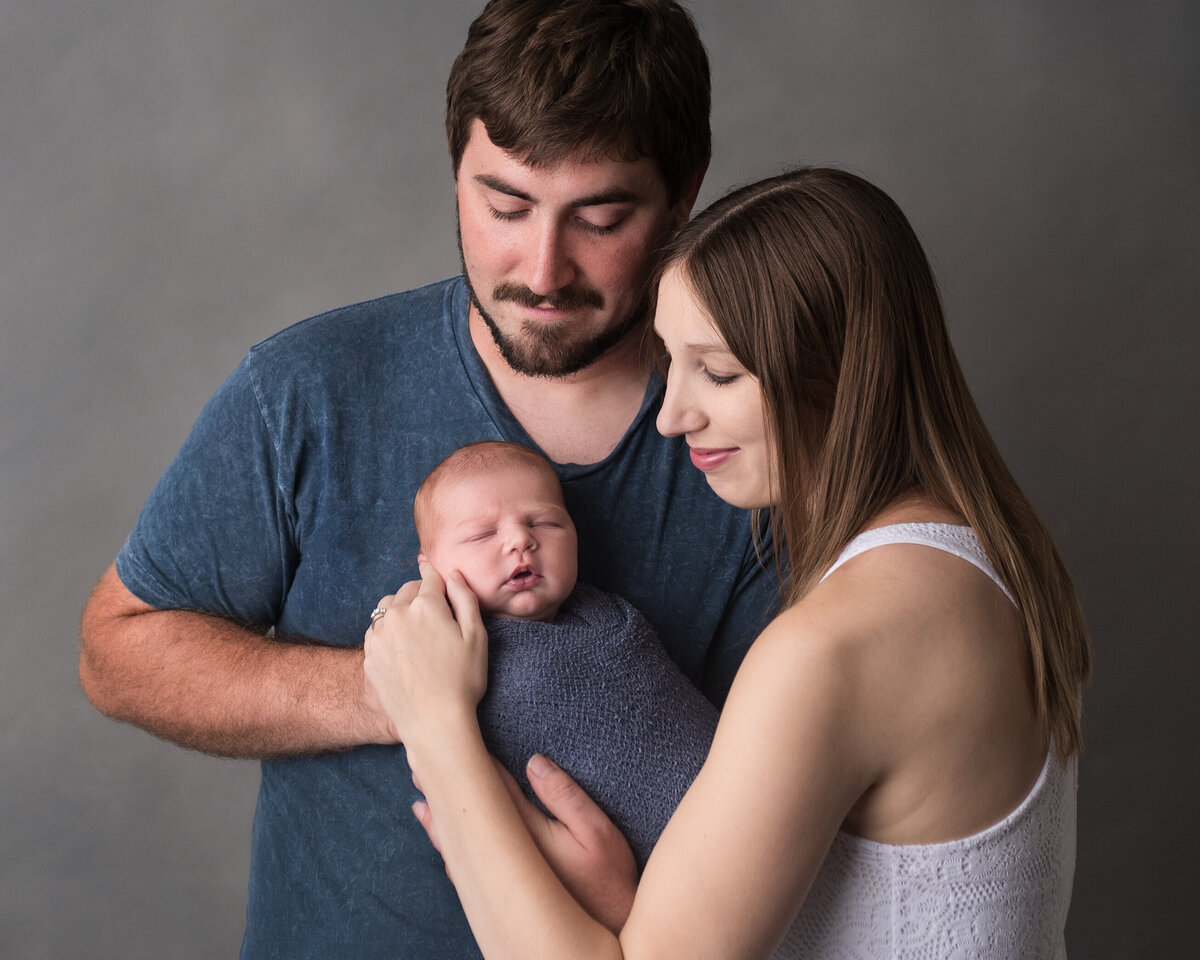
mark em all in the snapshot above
pixel 596 693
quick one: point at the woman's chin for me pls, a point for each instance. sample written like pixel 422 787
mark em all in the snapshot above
pixel 739 495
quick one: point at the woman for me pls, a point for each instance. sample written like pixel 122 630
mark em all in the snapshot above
pixel 893 772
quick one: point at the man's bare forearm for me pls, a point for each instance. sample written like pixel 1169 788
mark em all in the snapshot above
pixel 212 685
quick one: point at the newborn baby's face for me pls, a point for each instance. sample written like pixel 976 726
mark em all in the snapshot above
pixel 510 536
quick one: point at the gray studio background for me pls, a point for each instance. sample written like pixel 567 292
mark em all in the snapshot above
pixel 178 180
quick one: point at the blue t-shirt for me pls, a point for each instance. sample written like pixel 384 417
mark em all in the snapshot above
pixel 290 505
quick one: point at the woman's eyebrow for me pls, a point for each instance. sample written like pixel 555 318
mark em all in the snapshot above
pixel 709 346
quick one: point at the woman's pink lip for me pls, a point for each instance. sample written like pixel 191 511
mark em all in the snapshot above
pixel 705 459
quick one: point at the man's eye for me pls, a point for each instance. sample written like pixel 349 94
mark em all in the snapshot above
pixel 603 219
pixel 504 214
pixel 600 228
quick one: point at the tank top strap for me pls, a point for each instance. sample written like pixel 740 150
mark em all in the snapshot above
pixel 958 540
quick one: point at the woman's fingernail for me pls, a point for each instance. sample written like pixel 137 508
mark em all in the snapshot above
pixel 419 809
pixel 539 766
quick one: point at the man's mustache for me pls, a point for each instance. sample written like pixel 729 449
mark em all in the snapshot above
pixel 568 298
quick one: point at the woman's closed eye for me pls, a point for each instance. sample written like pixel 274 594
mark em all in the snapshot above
pixel 718 379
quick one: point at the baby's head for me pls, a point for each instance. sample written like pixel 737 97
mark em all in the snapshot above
pixel 494 512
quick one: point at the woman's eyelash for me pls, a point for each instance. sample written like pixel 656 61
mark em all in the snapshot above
pixel 718 380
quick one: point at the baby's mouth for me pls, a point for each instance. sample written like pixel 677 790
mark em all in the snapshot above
pixel 523 577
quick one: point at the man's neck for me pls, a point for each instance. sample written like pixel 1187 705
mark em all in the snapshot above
pixel 574 419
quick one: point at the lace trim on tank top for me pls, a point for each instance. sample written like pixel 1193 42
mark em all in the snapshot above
pixel 960 541
pixel 1000 894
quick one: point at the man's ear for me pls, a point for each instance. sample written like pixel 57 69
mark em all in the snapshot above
pixel 687 199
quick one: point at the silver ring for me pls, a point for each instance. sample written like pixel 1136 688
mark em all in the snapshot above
pixel 376 614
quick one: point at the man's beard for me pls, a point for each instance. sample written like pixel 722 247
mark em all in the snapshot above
pixel 555 349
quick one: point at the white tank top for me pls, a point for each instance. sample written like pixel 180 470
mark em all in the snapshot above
pixel 1001 894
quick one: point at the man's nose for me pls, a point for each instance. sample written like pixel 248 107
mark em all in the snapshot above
pixel 549 266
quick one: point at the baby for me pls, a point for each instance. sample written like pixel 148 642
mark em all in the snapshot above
pixel 574 673
pixel 494 512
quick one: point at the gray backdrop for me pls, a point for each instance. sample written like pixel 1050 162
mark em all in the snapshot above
pixel 178 180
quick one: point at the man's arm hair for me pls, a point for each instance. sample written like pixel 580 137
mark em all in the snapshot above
pixel 213 685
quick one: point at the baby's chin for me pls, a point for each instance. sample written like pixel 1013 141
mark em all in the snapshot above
pixel 544 610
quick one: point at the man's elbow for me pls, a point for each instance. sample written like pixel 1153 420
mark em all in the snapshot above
pixel 104 646
pixel 95 668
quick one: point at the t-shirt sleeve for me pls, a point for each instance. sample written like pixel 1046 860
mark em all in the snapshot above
pixel 215 534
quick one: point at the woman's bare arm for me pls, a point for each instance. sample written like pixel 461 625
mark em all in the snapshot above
pixel 736 860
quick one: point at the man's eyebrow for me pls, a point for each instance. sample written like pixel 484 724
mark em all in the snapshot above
pixel 615 195
pixel 502 186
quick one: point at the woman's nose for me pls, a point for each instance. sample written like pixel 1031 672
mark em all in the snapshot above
pixel 678 414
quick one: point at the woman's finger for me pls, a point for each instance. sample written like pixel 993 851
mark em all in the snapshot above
pixel 405 595
pixel 431 580
pixel 465 605
pixel 422 812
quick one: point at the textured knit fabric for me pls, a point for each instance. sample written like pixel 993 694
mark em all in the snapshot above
pixel 290 504
pixel 596 693
pixel 1001 894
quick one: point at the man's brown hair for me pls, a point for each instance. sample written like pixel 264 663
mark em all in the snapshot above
pixel 562 79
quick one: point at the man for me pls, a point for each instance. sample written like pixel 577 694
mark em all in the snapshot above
pixel 579 136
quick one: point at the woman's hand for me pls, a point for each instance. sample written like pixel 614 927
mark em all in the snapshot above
pixel 582 845
pixel 426 658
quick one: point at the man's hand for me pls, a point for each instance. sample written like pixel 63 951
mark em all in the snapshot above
pixel 582 845
pixel 373 707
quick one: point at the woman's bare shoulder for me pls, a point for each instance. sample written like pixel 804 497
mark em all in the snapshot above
pixel 935 658
pixel 896 626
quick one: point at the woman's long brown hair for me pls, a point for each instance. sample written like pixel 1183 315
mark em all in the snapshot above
pixel 820 288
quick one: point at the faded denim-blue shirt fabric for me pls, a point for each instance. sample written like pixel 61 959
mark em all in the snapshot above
pixel 290 505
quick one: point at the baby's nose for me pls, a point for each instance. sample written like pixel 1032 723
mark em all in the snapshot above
pixel 522 540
